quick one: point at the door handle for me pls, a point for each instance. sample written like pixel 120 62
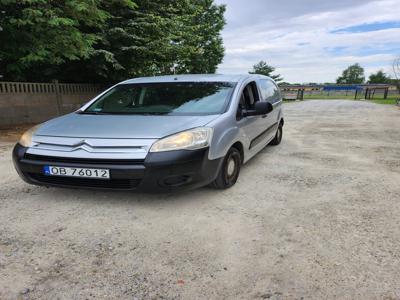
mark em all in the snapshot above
pixel 264 116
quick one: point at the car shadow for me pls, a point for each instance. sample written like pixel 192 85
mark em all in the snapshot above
pixel 107 197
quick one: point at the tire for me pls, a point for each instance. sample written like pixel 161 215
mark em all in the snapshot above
pixel 278 136
pixel 229 171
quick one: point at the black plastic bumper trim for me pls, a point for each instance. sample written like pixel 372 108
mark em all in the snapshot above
pixel 161 171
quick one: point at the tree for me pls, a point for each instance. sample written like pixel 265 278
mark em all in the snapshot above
pixel 264 69
pixel 354 74
pixel 37 32
pixel 205 39
pixel 109 40
pixel 167 37
pixel 379 77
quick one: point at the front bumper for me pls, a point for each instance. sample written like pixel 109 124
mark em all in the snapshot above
pixel 159 172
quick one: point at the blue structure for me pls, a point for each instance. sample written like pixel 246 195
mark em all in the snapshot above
pixel 328 88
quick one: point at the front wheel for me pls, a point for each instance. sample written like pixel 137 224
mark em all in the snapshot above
pixel 229 171
pixel 278 136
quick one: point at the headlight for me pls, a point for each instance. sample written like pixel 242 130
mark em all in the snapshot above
pixel 26 138
pixel 189 140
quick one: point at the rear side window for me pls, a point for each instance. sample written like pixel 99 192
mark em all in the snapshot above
pixel 269 91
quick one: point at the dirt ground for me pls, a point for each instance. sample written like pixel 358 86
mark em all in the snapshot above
pixel 317 217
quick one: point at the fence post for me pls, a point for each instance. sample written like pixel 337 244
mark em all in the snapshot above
pixel 58 97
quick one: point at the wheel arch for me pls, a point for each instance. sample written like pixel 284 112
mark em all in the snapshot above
pixel 238 145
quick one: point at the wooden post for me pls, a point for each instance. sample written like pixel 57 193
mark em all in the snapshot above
pixel 355 95
pixel 386 93
pixel 58 97
pixel 300 94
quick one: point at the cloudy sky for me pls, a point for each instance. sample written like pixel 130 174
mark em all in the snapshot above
pixel 311 40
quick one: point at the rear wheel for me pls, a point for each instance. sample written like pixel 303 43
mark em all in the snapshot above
pixel 278 136
pixel 229 171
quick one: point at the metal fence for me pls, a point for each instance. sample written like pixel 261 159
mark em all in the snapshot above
pixel 364 91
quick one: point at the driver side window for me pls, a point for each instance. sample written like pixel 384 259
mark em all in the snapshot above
pixel 248 98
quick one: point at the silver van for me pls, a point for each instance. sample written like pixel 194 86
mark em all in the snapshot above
pixel 156 134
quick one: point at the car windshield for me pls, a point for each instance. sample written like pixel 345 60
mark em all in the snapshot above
pixel 187 98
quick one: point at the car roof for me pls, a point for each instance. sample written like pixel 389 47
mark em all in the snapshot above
pixel 193 78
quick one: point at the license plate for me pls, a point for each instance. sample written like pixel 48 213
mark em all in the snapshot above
pixel 77 172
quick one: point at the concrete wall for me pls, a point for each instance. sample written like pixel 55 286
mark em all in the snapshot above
pixel 22 103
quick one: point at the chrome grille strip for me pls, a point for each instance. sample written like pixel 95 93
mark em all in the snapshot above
pixel 91 147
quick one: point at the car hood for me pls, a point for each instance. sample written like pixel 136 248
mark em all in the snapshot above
pixel 120 126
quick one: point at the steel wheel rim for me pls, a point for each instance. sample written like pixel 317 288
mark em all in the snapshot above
pixel 231 167
pixel 230 178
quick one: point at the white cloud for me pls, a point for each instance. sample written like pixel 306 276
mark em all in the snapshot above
pixel 299 42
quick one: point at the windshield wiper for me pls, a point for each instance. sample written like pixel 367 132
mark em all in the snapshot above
pixel 154 113
pixel 122 113
pixel 91 113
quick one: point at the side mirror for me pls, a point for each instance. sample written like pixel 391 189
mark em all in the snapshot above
pixel 260 108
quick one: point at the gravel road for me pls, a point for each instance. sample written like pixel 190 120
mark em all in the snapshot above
pixel 317 217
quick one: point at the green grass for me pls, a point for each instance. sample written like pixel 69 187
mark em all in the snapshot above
pixel 377 99
pixel 389 101
pixel 324 96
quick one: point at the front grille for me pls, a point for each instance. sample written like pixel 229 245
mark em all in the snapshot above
pixel 86 182
pixel 84 160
